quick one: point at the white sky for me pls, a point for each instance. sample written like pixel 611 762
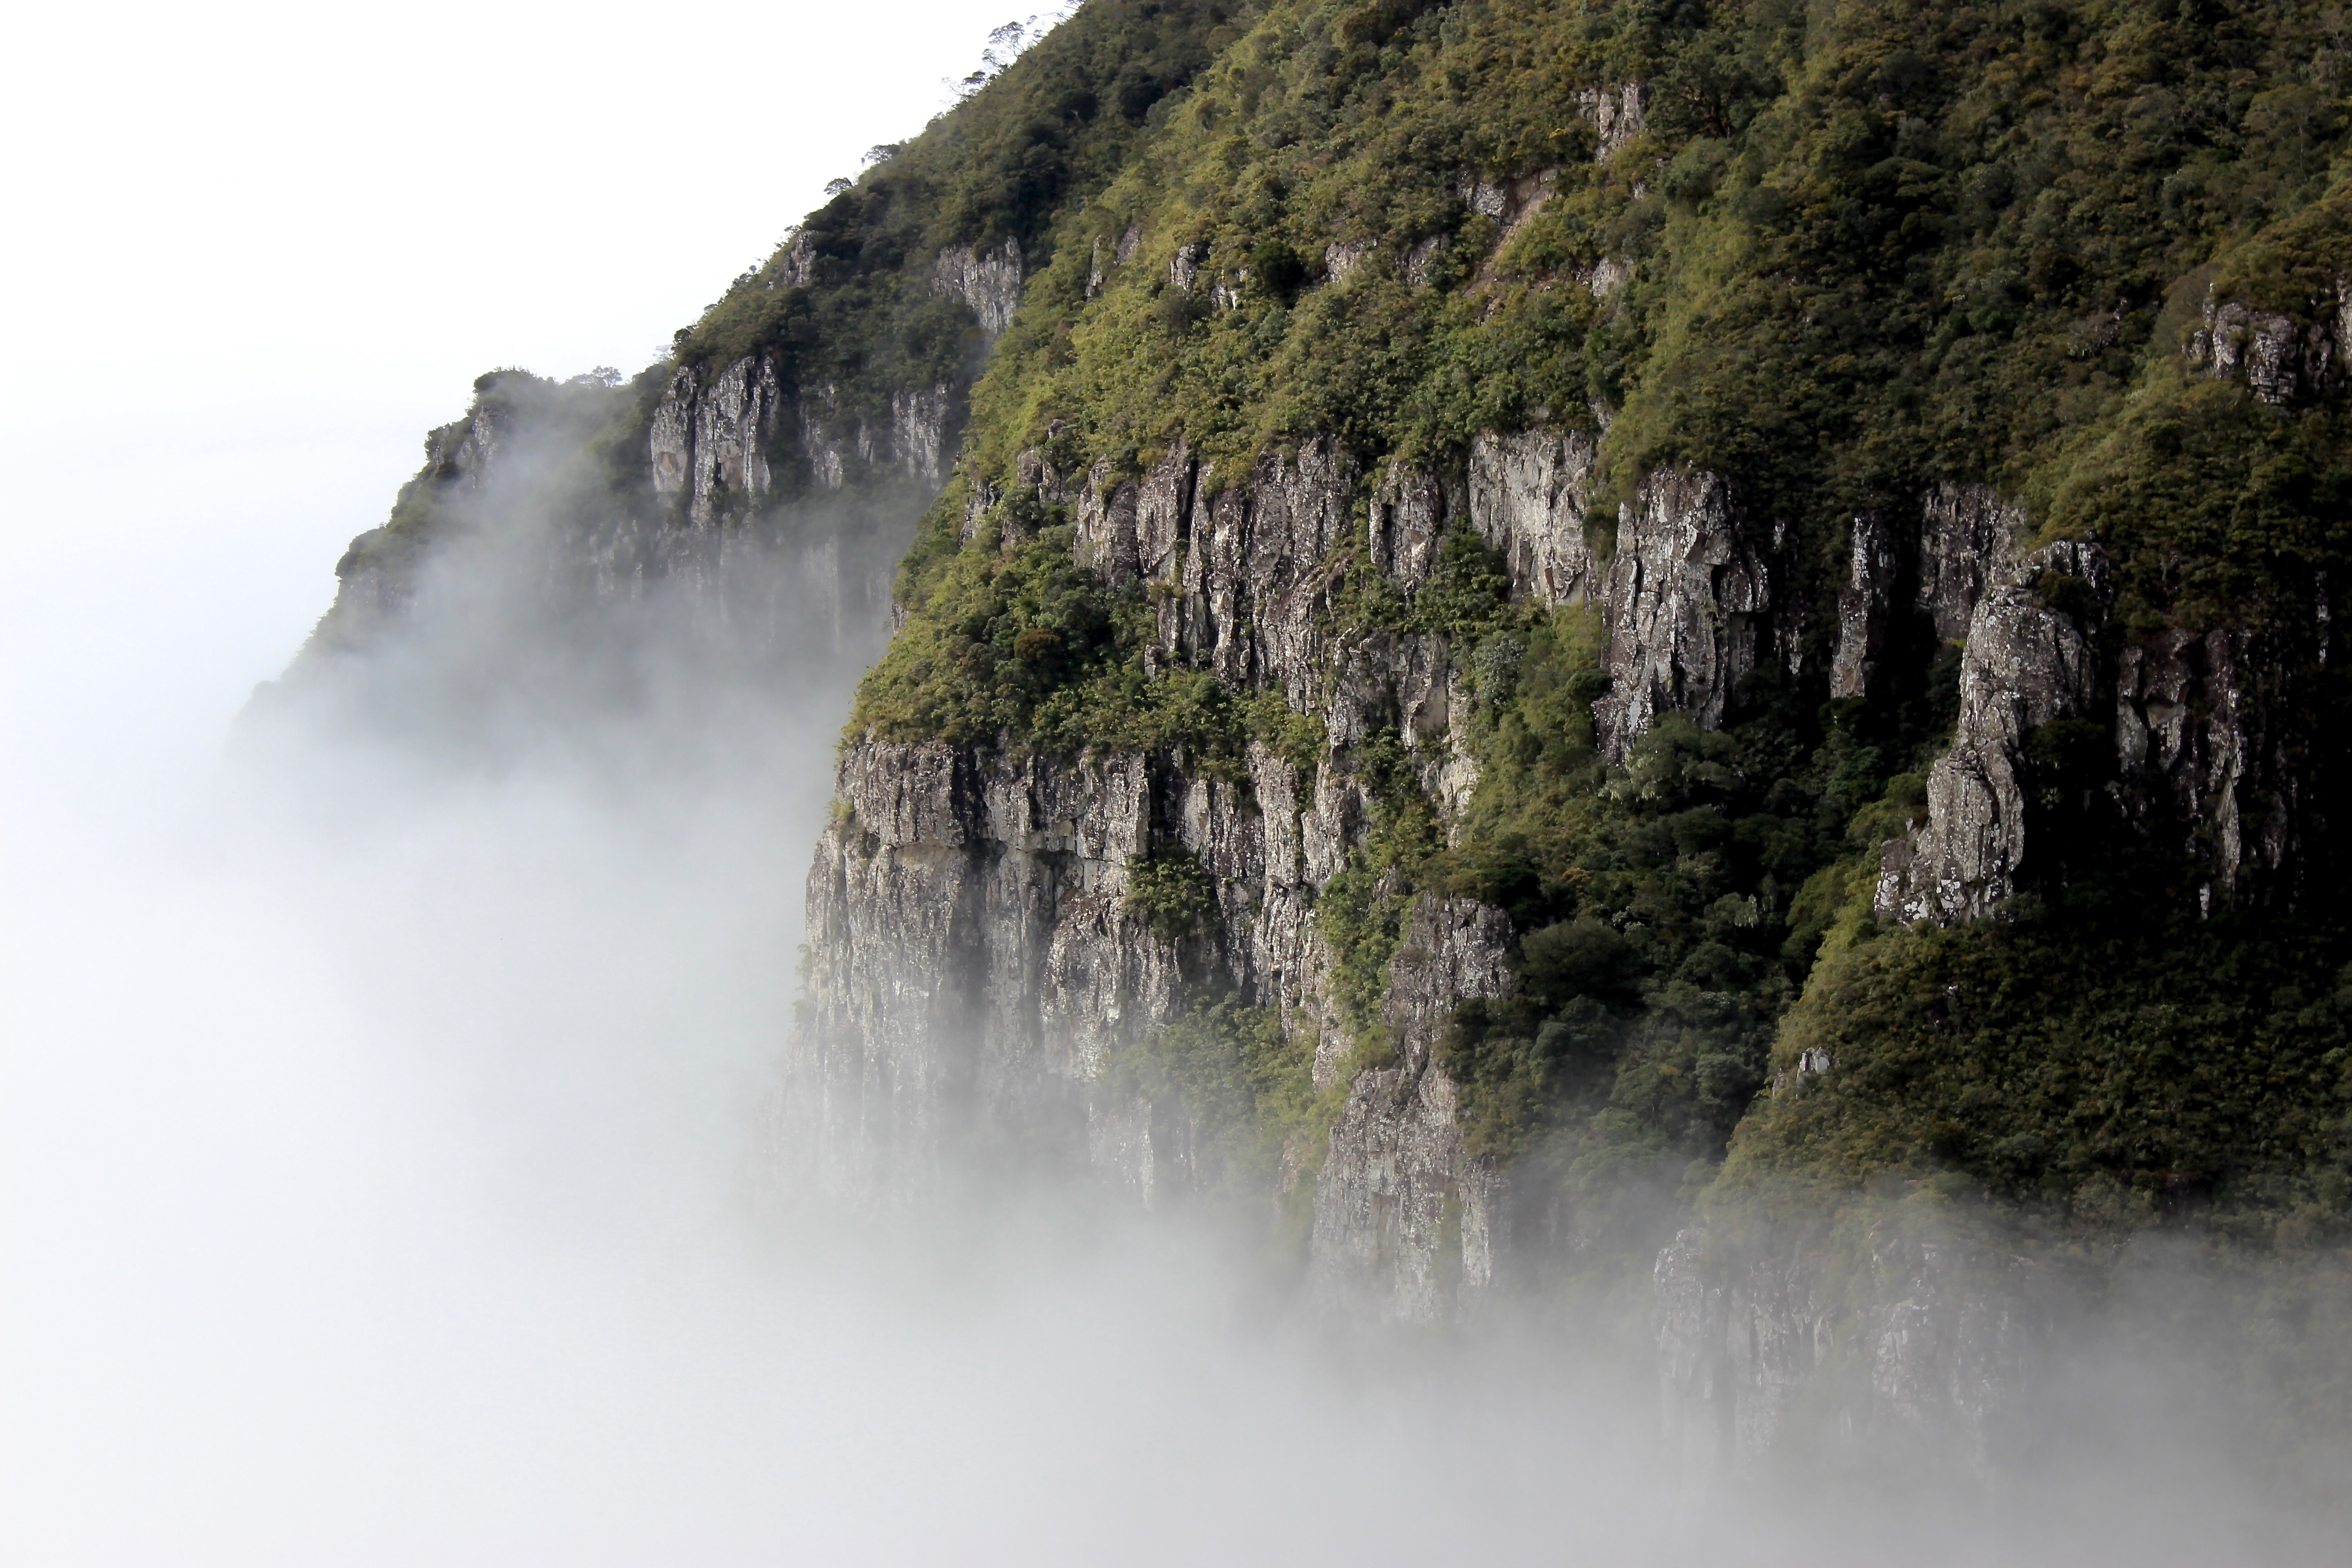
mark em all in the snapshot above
pixel 256 249
pixel 392 199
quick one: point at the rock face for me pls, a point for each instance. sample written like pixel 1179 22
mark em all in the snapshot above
pixel 1405 1218
pixel 989 281
pixel 1919 1349
pixel 2277 357
pixel 714 443
pixel 1528 496
pixel 1689 607
pixel 1619 114
pixel 974 963
pixel 2207 758
pixel 1865 625
pixel 721 448
pixel 718 523
pixel 2028 664
pixel 1965 534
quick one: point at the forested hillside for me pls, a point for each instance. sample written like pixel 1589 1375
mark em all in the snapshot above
pixel 1645 653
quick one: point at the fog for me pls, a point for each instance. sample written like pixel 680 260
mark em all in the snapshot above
pixel 378 1107
pixel 378 1114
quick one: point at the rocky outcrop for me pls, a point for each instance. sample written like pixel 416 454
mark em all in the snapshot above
pixel 1918 1347
pixel 1618 114
pixel 2277 357
pixel 1404 1216
pixel 464 453
pixel 2205 756
pixel 1025 968
pixel 1866 621
pixel 1257 580
pixel 987 281
pixel 1690 608
pixel 1966 531
pixel 999 884
pixel 1529 497
pixel 711 443
pixel 723 447
pixel 1245 559
pixel 920 422
pixel 2028 663
pixel 1407 520
pixel 974 963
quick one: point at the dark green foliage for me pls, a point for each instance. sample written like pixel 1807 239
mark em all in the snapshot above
pixel 1664 909
pixel 1853 251
pixel 1277 268
pixel 2062 1065
pixel 997 168
pixel 1171 893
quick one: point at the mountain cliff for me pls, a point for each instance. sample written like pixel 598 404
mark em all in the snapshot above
pixel 1675 658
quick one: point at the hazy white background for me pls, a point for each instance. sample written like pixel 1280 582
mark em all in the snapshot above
pixel 255 250
pixel 362 1171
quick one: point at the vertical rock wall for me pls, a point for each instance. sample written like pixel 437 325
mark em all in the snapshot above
pixel 2027 664
pixel 971 953
pixel 974 956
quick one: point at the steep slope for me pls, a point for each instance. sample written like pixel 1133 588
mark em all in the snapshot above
pixel 1670 657
pixel 1484 531
pixel 751 495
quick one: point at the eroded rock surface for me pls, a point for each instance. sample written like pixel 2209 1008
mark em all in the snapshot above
pixel 2027 664
pixel 1921 1350
pixel 1866 621
pixel 1689 606
pixel 2278 357
pixel 1404 1216
pixel 2206 757
pixel 1528 496
pixel 989 281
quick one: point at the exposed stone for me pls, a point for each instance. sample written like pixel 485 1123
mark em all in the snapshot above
pixel 2026 665
pixel 464 454
pixel 1528 496
pixel 1104 538
pixel 1409 514
pixel 1254 587
pixel 919 431
pixel 973 965
pixel 1689 606
pixel 2275 357
pixel 1605 277
pixel 1618 115
pixel 796 268
pixel 990 282
pixel 1925 1349
pixel 1511 202
pixel 733 424
pixel 1866 606
pixel 1417 261
pixel 1403 1215
pixel 1185 267
pixel 1966 531
pixel 976 507
pixel 2203 760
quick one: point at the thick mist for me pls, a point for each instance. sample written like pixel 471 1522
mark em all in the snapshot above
pixel 383 1072
pixel 382 1103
